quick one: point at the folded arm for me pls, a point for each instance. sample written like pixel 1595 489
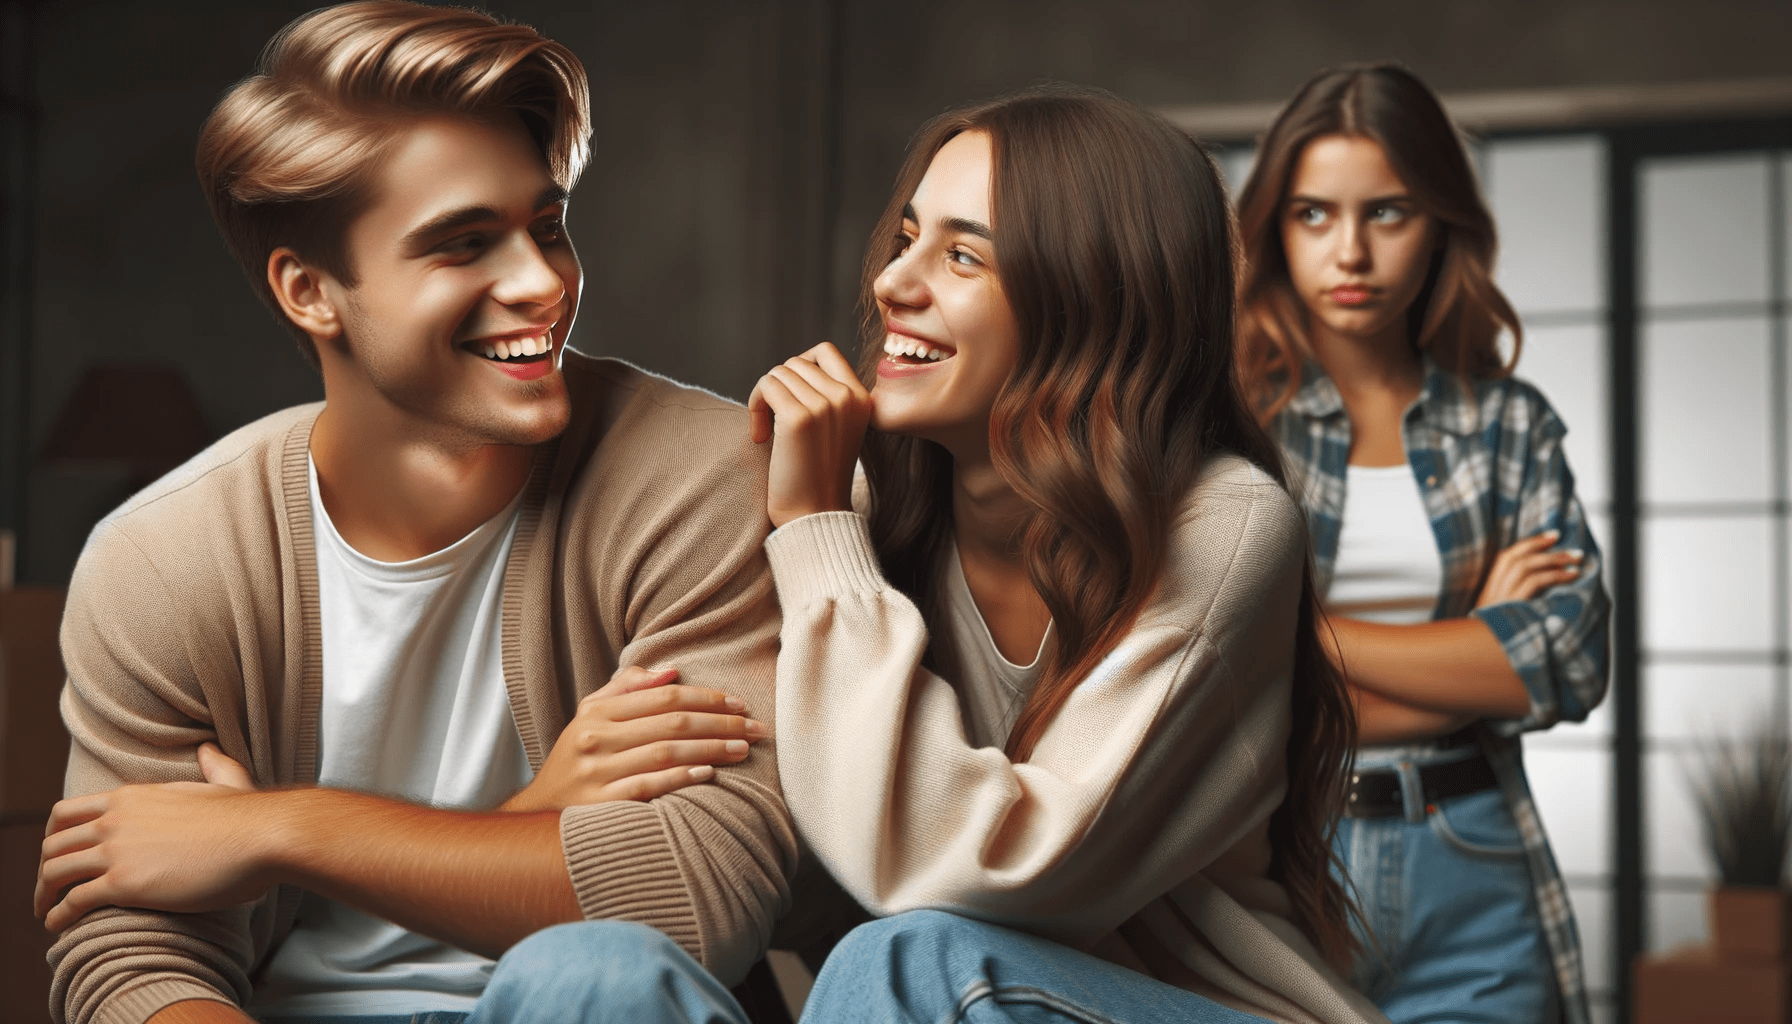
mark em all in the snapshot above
pixel 1532 650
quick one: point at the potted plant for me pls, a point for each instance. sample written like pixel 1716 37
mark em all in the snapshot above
pixel 1744 791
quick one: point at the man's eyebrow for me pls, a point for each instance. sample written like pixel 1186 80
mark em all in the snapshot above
pixel 474 215
pixel 961 225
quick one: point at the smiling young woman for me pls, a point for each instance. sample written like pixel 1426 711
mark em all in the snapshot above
pixel 1463 589
pixel 1058 675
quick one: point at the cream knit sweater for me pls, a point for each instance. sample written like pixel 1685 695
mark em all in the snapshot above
pixel 1138 829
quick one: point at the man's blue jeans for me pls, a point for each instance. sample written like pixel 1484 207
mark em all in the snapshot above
pixel 585 973
pixel 930 967
pixel 1449 899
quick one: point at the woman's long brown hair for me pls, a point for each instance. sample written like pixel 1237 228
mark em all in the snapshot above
pixel 1115 251
pixel 1459 314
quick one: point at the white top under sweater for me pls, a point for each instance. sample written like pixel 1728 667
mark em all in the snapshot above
pixel 414 707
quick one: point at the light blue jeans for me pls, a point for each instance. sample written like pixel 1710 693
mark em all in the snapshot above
pixel 930 967
pixel 1449 899
pixel 585 973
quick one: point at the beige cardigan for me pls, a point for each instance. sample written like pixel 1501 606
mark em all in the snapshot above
pixel 193 616
pixel 1138 830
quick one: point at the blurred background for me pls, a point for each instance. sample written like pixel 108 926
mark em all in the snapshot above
pixel 1638 158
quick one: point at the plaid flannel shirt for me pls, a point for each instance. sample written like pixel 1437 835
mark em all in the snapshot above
pixel 1491 470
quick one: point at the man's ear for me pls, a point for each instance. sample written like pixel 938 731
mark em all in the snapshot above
pixel 299 288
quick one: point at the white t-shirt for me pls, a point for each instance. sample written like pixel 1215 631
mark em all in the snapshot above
pixel 1388 569
pixel 414 707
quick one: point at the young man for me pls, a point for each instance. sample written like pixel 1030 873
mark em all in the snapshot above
pixel 421 589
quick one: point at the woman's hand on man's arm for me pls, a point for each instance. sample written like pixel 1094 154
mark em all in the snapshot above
pixel 814 411
pixel 639 737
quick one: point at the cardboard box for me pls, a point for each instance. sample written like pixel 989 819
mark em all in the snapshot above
pixel 1691 985
pixel 33 743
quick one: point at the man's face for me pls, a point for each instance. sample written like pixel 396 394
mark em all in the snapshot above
pixel 461 256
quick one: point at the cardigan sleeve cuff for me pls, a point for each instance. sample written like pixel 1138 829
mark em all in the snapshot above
pixel 139 1002
pixel 622 866
pixel 823 557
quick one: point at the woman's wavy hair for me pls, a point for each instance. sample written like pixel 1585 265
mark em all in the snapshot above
pixel 1458 315
pixel 288 155
pixel 1115 251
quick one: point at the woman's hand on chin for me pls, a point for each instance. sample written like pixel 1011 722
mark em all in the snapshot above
pixel 814 411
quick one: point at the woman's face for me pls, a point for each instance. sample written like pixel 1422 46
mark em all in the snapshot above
pixel 950 339
pixel 1358 248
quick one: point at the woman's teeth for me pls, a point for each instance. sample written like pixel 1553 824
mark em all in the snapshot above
pixel 894 346
pixel 514 347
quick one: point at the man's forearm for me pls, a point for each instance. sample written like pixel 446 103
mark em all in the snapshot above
pixel 200 1011
pixel 480 881
pixel 1451 666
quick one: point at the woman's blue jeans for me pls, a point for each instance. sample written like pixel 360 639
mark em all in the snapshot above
pixel 930 967
pixel 926 967
pixel 1449 899
pixel 586 973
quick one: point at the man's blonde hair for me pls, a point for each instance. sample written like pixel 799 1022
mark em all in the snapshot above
pixel 287 155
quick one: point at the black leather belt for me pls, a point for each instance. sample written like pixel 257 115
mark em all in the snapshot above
pixel 1376 794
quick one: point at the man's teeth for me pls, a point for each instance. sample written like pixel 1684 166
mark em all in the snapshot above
pixel 894 346
pixel 514 347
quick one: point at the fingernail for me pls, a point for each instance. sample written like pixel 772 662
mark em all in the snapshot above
pixel 1572 570
pixel 755 727
pixel 1576 553
pixel 702 773
pixel 735 703
pixel 1552 534
pixel 737 746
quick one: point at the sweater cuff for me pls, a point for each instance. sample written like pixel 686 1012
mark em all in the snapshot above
pixel 138 1003
pixel 823 557
pixel 622 867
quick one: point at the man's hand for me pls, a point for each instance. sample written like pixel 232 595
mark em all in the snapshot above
pixel 637 738
pixel 814 411
pixel 180 846
pixel 1528 568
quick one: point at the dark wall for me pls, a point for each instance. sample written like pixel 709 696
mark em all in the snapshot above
pixel 741 151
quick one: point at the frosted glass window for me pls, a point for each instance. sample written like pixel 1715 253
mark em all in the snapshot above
pixel 1573 793
pixel 1548 199
pixel 1676 839
pixel 1784 385
pixel 1687 702
pixel 1704 230
pixel 1593 916
pixel 1786 224
pixel 1235 166
pixel 1705 584
pixel 1599 523
pixel 1704 409
pixel 1570 366
pixel 1675 918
